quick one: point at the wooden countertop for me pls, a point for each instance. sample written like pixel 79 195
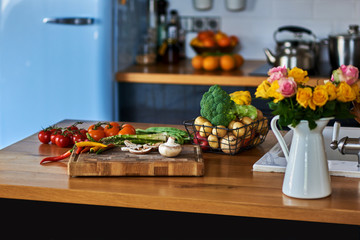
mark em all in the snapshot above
pixel 229 186
pixel 184 73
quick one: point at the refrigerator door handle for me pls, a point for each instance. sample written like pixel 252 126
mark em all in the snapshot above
pixel 70 21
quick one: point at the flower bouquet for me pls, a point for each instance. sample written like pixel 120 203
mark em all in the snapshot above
pixel 294 100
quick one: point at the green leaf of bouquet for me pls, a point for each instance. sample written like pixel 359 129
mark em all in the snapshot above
pixel 312 124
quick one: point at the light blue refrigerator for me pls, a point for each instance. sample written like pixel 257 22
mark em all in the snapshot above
pixel 56 62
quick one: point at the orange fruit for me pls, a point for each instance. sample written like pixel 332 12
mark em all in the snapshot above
pixel 210 63
pixel 196 42
pixel 227 62
pixel 205 34
pixel 209 42
pixel 219 35
pixel 239 60
pixel 234 40
pixel 197 62
pixel 224 42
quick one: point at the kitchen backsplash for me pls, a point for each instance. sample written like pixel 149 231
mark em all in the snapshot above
pixel 256 24
pixel 132 21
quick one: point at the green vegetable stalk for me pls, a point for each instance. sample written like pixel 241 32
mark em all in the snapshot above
pixel 217 107
pixel 138 138
pixel 180 136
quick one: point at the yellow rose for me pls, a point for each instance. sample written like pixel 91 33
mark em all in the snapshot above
pixel 299 75
pixel 241 97
pixel 262 89
pixel 303 96
pixel 320 95
pixel 344 93
pixel 331 90
pixel 355 87
pixel 273 92
pixel 312 105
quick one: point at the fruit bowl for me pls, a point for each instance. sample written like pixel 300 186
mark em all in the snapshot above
pixel 214 42
pixel 217 49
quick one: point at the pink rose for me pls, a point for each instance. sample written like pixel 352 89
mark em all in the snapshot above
pixel 287 87
pixel 276 73
pixel 348 74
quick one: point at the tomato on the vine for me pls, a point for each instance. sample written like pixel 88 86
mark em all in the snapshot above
pixel 95 127
pixel 127 129
pixel 44 136
pixel 97 134
pixel 112 129
pixel 54 133
pixel 96 131
pixel 127 125
pixel 77 137
pixel 83 132
pixel 62 141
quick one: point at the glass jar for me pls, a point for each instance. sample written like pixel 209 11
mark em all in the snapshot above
pixel 146 53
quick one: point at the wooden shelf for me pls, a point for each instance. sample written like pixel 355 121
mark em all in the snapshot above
pixel 184 74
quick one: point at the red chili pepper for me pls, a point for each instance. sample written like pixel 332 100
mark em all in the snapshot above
pixel 78 150
pixel 57 158
pixel 86 149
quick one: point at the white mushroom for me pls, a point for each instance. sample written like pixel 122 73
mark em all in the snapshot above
pixel 170 148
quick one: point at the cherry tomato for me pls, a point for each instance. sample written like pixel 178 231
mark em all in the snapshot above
pixel 78 137
pixel 112 129
pixel 72 128
pixel 83 132
pixel 44 136
pixel 55 138
pixel 55 132
pixel 127 130
pixel 62 141
pixel 69 133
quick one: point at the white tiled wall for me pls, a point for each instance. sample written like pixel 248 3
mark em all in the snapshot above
pixel 256 24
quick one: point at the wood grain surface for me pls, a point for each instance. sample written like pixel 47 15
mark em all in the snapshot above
pixel 229 186
pixel 184 73
pixel 115 162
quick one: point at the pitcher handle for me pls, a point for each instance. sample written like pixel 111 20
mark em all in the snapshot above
pixel 279 137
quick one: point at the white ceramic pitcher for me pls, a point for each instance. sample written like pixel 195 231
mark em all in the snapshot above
pixel 307 174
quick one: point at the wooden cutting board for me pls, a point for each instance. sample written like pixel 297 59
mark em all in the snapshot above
pixel 115 162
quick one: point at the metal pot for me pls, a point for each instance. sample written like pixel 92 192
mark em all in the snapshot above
pixel 345 48
pixel 298 51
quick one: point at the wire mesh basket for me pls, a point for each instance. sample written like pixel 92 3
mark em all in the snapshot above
pixel 232 140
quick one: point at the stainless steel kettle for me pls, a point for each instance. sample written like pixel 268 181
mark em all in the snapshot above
pixel 345 48
pixel 298 51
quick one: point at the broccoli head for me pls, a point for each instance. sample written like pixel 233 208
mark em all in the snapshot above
pixel 217 107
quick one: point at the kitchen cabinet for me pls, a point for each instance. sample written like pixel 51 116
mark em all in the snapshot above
pixel 229 191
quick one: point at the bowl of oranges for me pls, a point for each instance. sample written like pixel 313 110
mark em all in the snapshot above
pixel 211 42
